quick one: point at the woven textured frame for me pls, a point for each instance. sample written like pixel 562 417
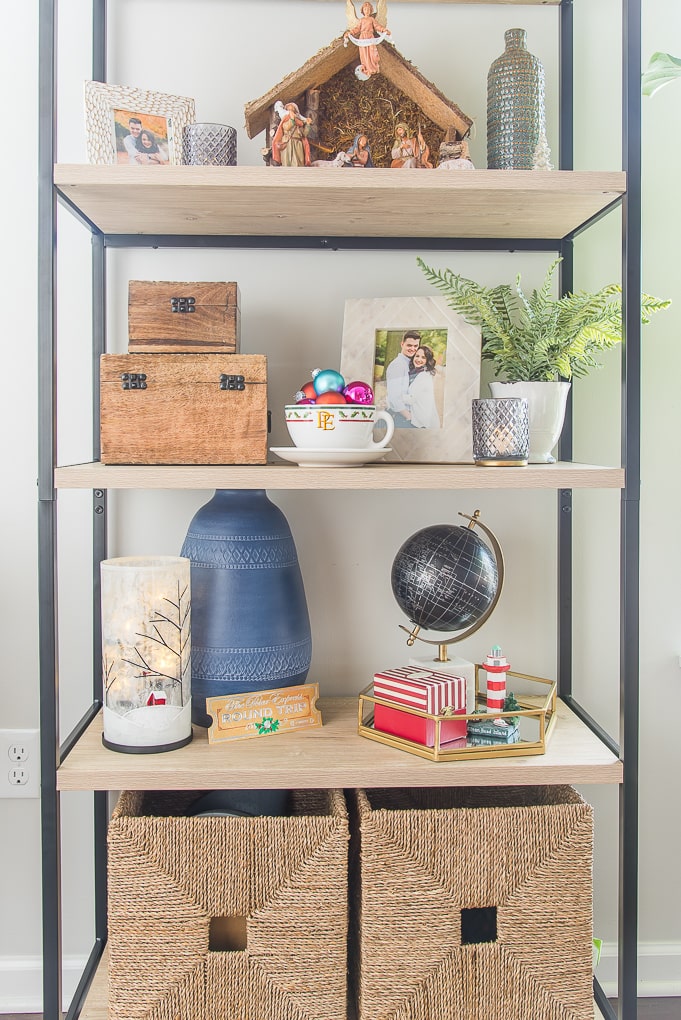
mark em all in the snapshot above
pixel 169 875
pixel 421 856
pixel 102 98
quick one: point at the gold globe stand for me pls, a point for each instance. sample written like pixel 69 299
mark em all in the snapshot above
pixel 414 632
pixel 459 666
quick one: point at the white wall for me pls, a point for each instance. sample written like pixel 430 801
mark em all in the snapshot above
pixel 214 52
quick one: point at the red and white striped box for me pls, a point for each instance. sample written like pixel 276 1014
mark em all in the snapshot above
pixel 427 690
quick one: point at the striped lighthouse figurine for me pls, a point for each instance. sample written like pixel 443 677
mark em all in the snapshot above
pixel 496 667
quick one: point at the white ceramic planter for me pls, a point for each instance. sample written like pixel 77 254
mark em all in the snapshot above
pixel 546 402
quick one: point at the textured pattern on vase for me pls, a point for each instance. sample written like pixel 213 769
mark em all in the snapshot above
pixel 251 666
pixel 515 105
pixel 278 553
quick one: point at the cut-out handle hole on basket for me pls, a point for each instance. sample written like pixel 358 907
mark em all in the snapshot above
pixel 227 934
pixel 478 924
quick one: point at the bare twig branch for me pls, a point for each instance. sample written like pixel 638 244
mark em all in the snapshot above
pixel 160 618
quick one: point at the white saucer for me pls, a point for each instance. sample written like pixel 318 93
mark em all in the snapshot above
pixel 329 458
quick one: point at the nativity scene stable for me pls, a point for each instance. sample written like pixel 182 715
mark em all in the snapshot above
pixel 359 103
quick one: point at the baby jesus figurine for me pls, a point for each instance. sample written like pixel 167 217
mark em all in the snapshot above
pixel 366 33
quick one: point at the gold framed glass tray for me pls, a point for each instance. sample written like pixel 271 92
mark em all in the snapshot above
pixel 534 717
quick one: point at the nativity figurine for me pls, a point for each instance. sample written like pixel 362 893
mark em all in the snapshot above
pixel 366 30
pixel 409 150
pixel 290 145
pixel 359 152
pixel 341 159
pixel 454 155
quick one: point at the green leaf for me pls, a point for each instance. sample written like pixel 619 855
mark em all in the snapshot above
pixel 661 69
pixel 539 337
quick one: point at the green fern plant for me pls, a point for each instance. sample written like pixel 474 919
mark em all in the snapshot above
pixel 538 337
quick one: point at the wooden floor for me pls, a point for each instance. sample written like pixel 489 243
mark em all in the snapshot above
pixel 648 1009
pixel 659 1009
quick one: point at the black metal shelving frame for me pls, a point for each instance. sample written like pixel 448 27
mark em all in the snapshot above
pixel 53 753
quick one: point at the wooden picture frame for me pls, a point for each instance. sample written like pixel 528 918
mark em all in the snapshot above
pixel 108 107
pixel 433 424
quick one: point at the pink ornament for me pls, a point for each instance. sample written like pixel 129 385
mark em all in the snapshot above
pixel 358 393
pixel 305 400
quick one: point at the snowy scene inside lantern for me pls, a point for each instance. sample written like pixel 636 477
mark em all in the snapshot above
pixel 146 653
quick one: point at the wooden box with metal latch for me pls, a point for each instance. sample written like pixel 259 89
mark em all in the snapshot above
pixel 193 409
pixel 182 318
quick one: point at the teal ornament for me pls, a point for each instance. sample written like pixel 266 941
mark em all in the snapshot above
pixel 327 380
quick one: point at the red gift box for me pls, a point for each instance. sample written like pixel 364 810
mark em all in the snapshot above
pixel 427 690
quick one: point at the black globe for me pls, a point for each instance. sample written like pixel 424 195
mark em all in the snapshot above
pixel 444 577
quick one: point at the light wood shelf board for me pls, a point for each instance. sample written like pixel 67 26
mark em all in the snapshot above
pixel 377 476
pixel 331 756
pixel 305 202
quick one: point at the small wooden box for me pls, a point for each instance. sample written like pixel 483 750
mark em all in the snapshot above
pixel 193 409
pixel 180 318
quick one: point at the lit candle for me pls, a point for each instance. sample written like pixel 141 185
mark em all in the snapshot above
pixel 503 441
pixel 146 653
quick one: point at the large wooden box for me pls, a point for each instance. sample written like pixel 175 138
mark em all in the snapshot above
pixel 183 409
pixel 180 318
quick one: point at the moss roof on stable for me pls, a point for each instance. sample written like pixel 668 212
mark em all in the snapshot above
pixel 333 58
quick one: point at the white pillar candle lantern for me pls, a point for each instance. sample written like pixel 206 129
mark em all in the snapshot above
pixel 146 653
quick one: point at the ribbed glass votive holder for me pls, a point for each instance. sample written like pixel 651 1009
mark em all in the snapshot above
pixel 209 145
pixel 501 432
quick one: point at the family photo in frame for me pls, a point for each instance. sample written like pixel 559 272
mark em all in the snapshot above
pixel 128 126
pixel 140 139
pixel 423 361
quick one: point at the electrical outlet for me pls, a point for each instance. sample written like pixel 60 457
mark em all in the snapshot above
pixel 19 763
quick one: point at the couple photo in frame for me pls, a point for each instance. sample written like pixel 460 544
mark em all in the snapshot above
pixel 135 127
pixel 423 361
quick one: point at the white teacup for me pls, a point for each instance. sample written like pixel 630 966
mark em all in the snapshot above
pixel 337 426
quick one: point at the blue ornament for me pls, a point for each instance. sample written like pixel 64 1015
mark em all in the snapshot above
pixel 327 380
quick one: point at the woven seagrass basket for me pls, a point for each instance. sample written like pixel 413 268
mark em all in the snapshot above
pixel 472 904
pixel 228 918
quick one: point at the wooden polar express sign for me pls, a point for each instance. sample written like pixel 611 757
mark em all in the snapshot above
pixel 261 713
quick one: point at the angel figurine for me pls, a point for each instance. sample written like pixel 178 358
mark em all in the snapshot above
pixel 366 33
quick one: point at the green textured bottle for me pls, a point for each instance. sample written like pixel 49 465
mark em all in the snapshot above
pixel 515 105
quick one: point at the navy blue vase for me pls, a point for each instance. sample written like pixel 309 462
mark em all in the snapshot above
pixel 250 624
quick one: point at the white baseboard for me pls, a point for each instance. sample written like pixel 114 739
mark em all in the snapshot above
pixel 21 982
pixel 659 969
pixel 659 973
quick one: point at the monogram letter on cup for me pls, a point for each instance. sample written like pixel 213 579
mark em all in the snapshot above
pixel 325 420
pixel 337 426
